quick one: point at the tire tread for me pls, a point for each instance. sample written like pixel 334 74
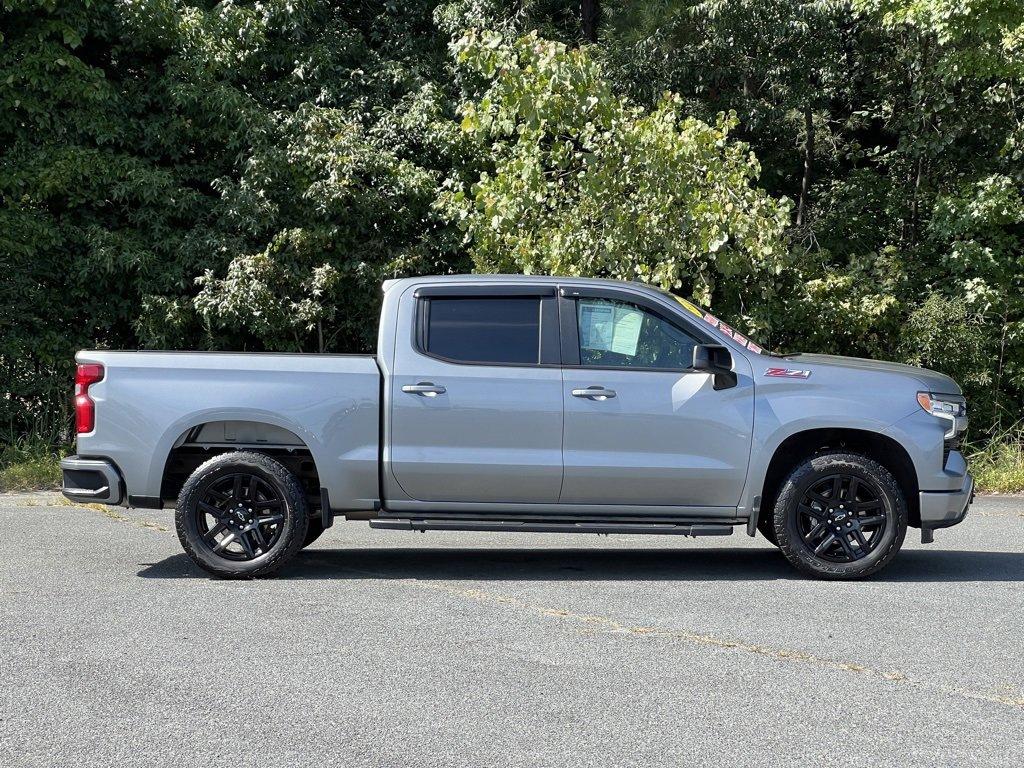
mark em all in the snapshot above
pixel 295 502
pixel 797 554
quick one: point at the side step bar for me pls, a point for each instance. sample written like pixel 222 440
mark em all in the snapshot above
pixel 684 529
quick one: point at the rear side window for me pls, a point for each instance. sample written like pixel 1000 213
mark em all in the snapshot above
pixel 499 330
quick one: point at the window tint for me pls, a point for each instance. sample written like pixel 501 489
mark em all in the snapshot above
pixel 614 333
pixel 498 330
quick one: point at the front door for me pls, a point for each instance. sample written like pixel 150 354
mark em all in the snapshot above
pixel 476 412
pixel 642 428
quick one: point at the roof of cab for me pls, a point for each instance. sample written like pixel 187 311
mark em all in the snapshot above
pixel 501 278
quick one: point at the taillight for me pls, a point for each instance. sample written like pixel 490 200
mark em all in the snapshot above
pixel 85 408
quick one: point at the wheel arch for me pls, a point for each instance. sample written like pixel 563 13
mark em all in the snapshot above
pixel 800 446
pixel 190 445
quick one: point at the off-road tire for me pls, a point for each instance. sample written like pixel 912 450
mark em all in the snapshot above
pixel 866 470
pixel 295 510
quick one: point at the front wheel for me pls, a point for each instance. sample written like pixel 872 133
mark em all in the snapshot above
pixel 840 516
pixel 241 515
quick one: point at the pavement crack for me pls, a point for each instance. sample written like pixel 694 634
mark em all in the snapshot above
pixel 612 626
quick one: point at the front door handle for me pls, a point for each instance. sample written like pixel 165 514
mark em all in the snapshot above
pixel 424 389
pixel 594 393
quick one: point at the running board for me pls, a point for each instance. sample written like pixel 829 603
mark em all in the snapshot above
pixel 406 524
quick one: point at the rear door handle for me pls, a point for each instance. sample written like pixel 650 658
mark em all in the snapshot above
pixel 594 393
pixel 424 389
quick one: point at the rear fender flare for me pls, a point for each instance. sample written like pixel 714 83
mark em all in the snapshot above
pixel 174 432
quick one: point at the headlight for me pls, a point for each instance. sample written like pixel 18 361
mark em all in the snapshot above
pixel 951 408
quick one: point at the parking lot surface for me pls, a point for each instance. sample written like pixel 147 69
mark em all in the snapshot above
pixel 403 649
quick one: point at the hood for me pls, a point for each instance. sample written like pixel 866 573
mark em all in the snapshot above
pixel 933 381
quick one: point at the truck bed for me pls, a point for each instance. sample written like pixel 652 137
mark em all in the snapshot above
pixel 152 408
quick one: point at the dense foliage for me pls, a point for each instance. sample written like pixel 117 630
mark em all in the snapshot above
pixel 835 176
pixel 580 183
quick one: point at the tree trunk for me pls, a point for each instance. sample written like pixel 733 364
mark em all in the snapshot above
pixel 748 86
pixel 805 183
pixel 923 108
pixel 914 204
pixel 590 12
pixel 997 421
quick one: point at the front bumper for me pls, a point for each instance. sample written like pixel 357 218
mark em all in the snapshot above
pixel 91 480
pixel 941 509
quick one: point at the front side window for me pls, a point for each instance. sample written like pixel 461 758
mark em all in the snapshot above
pixel 500 330
pixel 622 335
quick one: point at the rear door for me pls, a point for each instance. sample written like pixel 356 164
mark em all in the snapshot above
pixel 476 411
pixel 641 427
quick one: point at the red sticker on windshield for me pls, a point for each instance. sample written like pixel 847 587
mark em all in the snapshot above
pixel 734 335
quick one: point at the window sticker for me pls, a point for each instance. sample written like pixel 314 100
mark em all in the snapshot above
pixel 596 318
pixel 626 335
pixel 607 327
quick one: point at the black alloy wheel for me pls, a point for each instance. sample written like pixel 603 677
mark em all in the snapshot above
pixel 242 514
pixel 840 516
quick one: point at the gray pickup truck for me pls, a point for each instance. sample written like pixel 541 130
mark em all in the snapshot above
pixel 516 403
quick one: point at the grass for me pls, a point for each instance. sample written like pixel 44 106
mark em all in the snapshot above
pixel 998 467
pixel 29 466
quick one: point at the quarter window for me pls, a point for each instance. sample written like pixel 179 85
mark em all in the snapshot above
pixel 499 330
pixel 622 335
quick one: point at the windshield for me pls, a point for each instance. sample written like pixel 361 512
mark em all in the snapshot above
pixel 718 325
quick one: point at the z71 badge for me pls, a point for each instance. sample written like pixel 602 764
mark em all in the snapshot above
pixel 787 373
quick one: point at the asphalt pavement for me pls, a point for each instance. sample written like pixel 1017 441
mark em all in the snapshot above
pixel 388 648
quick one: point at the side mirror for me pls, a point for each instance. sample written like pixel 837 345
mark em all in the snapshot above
pixel 717 360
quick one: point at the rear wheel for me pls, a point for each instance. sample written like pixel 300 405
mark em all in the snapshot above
pixel 840 516
pixel 241 515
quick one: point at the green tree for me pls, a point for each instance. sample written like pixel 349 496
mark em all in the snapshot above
pixel 911 157
pixel 242 174
pixel 579 181
pixel 950 96
pixel 210 175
